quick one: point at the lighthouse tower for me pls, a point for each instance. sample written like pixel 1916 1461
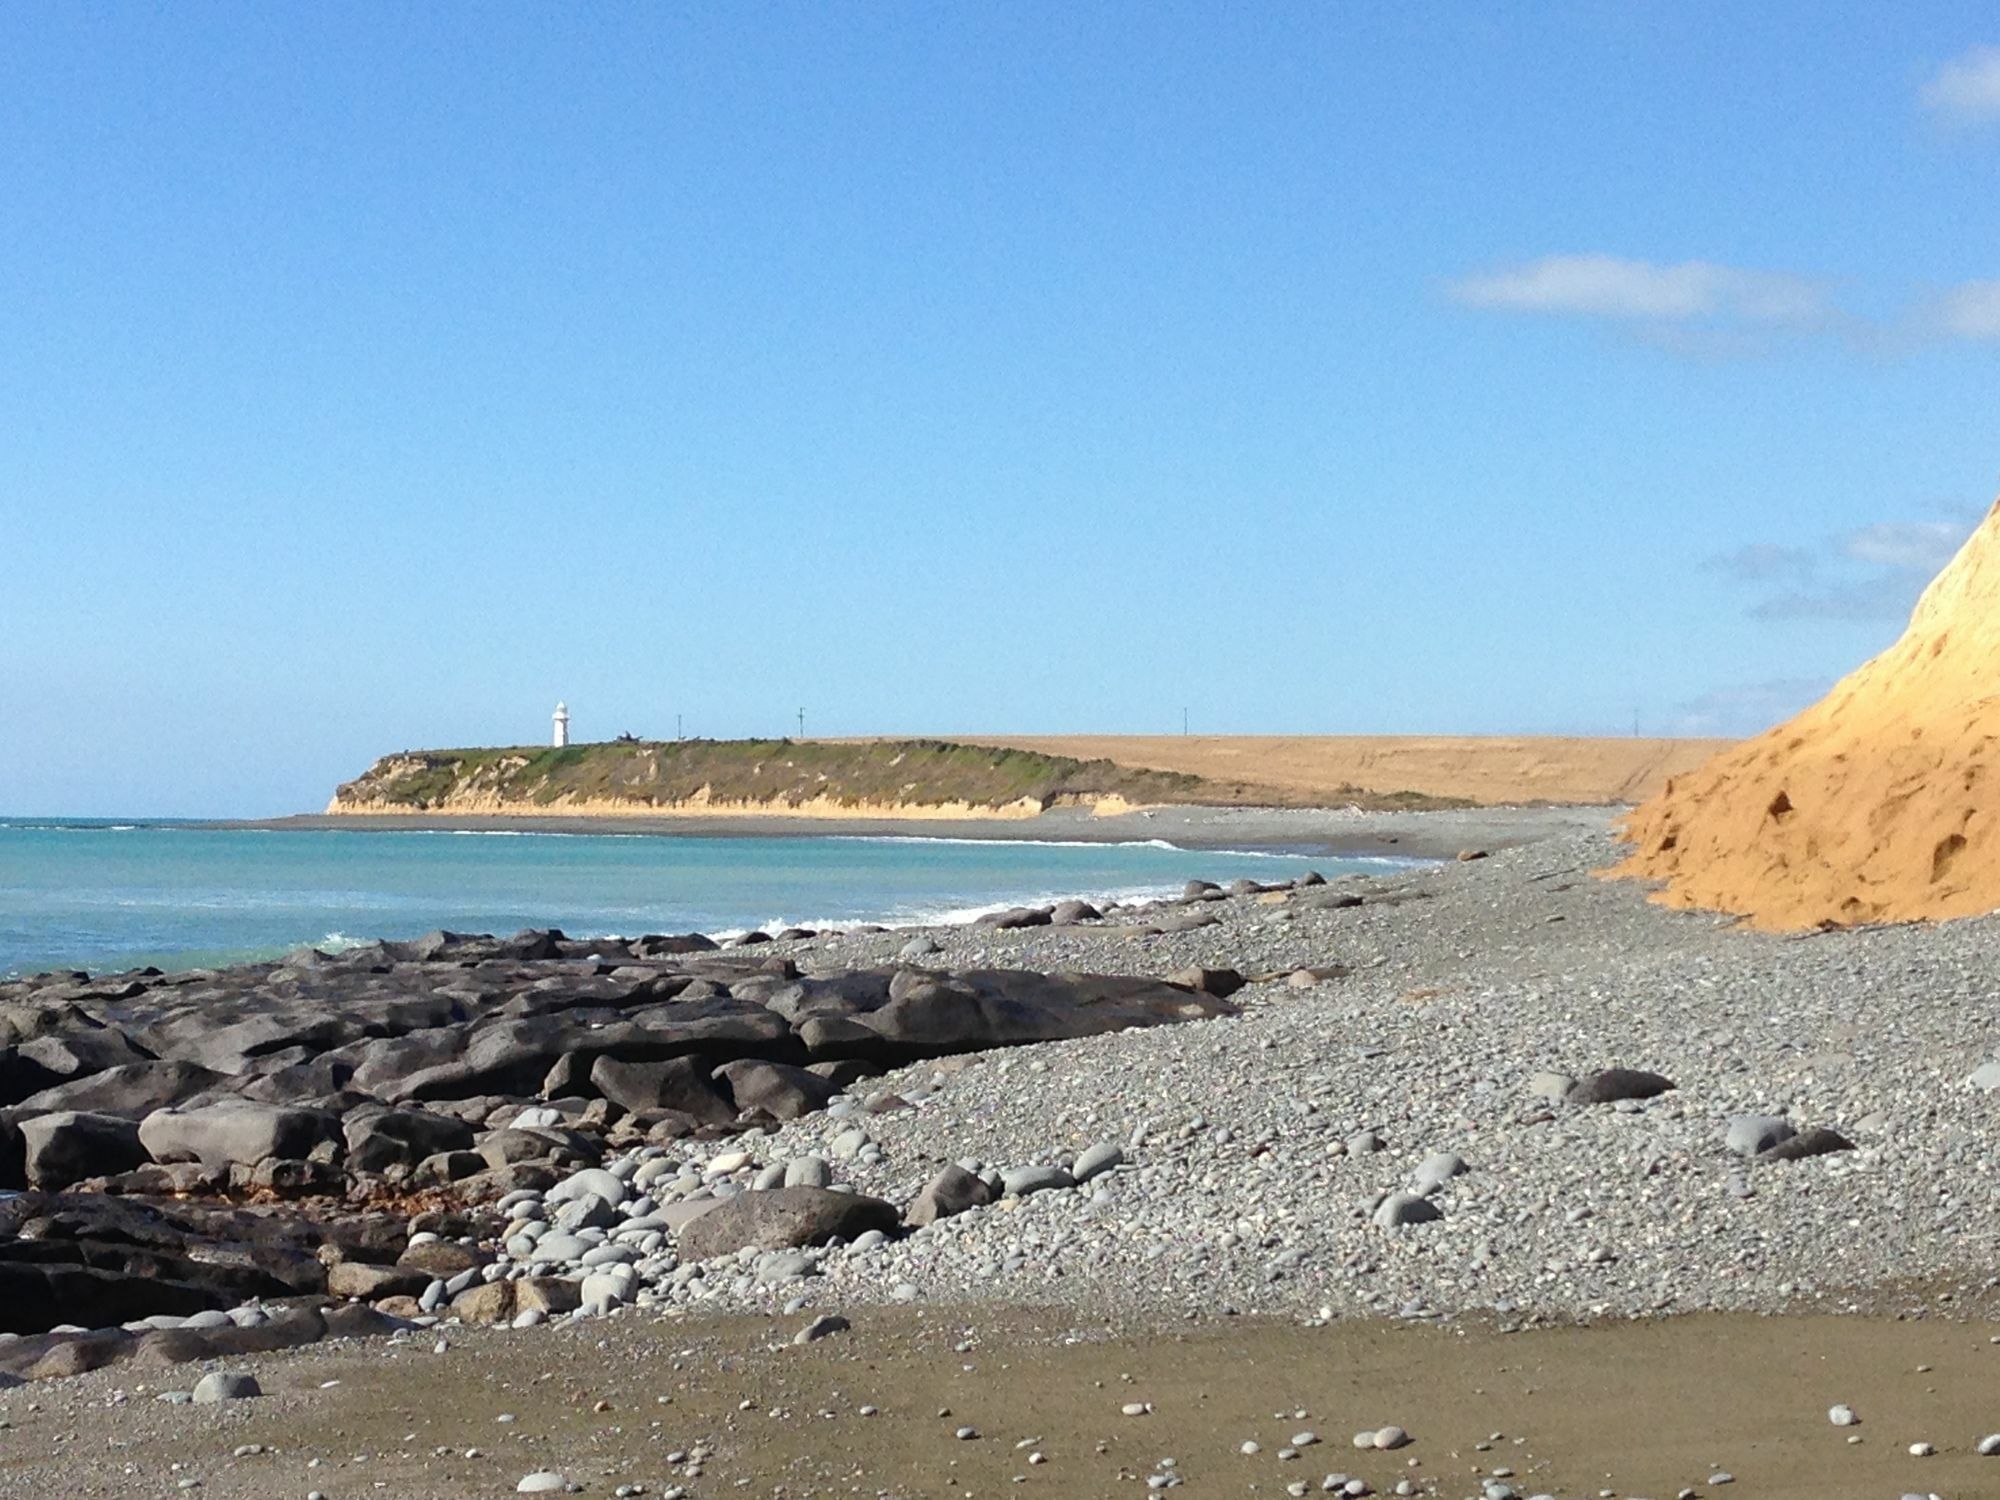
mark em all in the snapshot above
pixel 562 726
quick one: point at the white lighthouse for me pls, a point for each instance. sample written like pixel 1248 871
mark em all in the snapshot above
pixel 562 726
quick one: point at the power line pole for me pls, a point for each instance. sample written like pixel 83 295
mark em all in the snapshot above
pixel 802 723
pixel 677 726
pixel 1183 723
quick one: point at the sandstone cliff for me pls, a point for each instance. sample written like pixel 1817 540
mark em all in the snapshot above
pixel 1876 804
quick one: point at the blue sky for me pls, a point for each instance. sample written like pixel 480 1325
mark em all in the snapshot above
pixel 372 377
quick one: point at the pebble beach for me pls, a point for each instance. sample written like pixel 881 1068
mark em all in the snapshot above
pixel 1491 1099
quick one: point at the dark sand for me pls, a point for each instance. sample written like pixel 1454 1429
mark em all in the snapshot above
pixel 1636 1409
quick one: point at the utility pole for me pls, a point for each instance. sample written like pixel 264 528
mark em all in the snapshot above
pixel 1183 723
pixel 677 726
pixel 802 723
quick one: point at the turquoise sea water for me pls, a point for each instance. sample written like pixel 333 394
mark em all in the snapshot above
pixel 103 895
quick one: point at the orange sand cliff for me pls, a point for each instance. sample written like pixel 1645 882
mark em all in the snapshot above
pixel 1874 805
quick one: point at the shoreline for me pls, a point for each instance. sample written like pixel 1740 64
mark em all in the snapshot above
pixel 1588 1264
pixel 1400 839
pixel 1656 1407
pixel 1332 832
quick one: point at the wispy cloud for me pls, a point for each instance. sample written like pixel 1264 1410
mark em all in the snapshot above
pixel 1966 90
pixel 1915 546
pixel 1970 310
pixel 1610 286
pixel 1702 310
pixel 1745 708
pixel 1762 562
pixel 1872 573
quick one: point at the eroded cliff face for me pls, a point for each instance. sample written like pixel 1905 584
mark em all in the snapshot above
pixel 703 804
pixel 1877 804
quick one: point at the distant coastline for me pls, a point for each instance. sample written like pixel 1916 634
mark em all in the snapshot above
pixel 1331 831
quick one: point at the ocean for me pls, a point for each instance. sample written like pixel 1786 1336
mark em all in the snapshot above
pixel 104 895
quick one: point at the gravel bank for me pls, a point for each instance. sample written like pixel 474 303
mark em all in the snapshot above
pixel 1449 990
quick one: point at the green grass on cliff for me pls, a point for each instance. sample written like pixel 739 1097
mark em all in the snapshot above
pixel 647 774
pixel 778 772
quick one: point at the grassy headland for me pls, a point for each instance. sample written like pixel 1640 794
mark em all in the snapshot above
pixel 797 777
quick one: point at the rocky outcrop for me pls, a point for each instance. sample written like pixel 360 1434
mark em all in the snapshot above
pixel 459 1067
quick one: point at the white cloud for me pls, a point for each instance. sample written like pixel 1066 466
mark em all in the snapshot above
pixel 1700 310
pixel 1610 286
pixel 1970 310
pixel 1872 573
pixel 1966 90
pixel 1919 546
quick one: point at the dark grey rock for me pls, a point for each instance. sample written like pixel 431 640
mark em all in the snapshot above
pixel 69 1146
pixel 951 1192
pixel 784 1219
pixel 1614 1084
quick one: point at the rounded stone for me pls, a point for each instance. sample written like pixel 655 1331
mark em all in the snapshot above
pixel 226 1385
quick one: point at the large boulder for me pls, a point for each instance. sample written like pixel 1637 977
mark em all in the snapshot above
pixel 679 1083
pixel 929 1016
pixel 96 1259
pixel 503 1301
pixel 69 1054
pixel 516 1143
pixel 501 1057
pixel 70 1145
pixel 378 1139
pixel 13 1156
pixel 784 1219
pixel 220 1135
pixel 778 1089
pixel 356 1278
pixel 131 1090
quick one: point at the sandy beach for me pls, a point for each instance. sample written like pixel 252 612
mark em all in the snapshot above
pixel 1651 1409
